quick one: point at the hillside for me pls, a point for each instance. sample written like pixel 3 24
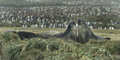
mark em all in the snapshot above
pixel 12 48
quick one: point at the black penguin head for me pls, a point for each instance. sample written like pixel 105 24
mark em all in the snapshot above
pixel 71 25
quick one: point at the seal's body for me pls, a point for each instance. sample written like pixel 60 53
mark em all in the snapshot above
pixel 89 33
pixel 70 33
pixel 83 36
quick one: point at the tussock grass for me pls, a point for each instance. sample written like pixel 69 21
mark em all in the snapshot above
pixel 12 48
pixel 10 36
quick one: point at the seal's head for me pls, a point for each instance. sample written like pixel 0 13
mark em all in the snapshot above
pixel 71 25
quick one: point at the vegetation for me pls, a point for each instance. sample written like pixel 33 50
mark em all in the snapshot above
pixel 12 48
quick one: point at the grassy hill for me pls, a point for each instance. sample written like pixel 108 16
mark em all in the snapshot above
pixel 12 48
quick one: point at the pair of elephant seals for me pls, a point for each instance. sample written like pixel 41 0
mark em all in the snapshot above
pixel 81 34
pixel 78 34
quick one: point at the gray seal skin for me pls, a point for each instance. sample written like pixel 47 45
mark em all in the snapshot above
pixel 83 35
pixel 48 34
pixel 90 34
pixel 70 33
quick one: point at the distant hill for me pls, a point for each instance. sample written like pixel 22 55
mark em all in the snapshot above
pixel 42 2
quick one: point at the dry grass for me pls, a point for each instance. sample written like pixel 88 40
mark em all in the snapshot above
pixel 35 30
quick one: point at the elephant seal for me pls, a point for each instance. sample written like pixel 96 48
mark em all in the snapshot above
pixel 23 34
pixel 83 35
pixel 70 33
pixel 27 35
pixel 88 32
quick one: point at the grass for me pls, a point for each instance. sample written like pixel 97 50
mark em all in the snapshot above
pixel 35 30
pixel 12 48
